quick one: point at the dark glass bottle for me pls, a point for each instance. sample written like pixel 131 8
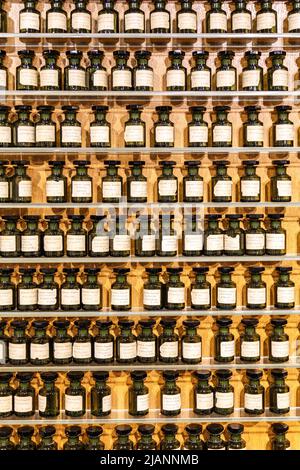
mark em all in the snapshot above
pixel 31 237
pixel 96 73
pixel 213 236
pixel 126 342
pixel 138 394
pixel 203 393
pixel 193 184
pixel 62 343
pixel 234 236
pixel 7 291
pixel 197 128
pixel 278 74
pixel 164 131
pixel 98 237
pixel 49 396
pixel 112 183
pixel 293 18
pixel 153 290
pixel 176 73
pixel 103 343
pixel 47 442
pixel 21 184
pixel 56 18
pixel 100 128
pixel 23 128
pixel 24 396
pixel 266 18
pixel 94 443
pixel 252 74
pixel 137 183
pixel 3 342
pixel 278 341
pixel 167 183
pixel 279 441
pixel 160 18
pixel 27 290
pixel 224 341
pixel 146 441
pixel 56 183
pixel 10 237
pixel 174 290
pixel 6 127
pixel 254 393
pixel 253 129
pixel 169 440
pixel 146 342
pixel 82 342
pixel 3 19
pixel 26 72
pixel 224 393
pixel 221 128
pixel 256 289
pixel 167 242
pixel 100 395
pixel 275 236
pixel 121 290
pixel 5 181
pixel 29 18
pixel 226 289
pixel 170 394
pixel 281 182
pixel 214 440
pixel 70 128
pixel 123 441
pixel 200 78
pixel 25 434
pixel 50 73
pixel 283 128
pixel 75 395
pixel 186 18
pixel 193 440
pixel 45 128
pixel 134 18
pixel 120 241
pixel 81 183
pixel 168 341
pixel 73 442
pixel 192 236
pixel 241 18
pixel 121 73
pixel 5 433
pixel 81 18
pixel 6 395
pixel 255 244
pixel 91 295
pixel 200 290
pixel 108 18
pixel 70 291
pixel 250 183
pixel 226 75
pixel 284 289
pixel 235 440
pixel 53 238
pixel 143 75
pixel 216 18
pixel 249 341
pixel 76 237
pixel 279 392
pixel 135 128
pixel 191 343
pixel 40 352
pixel 221 183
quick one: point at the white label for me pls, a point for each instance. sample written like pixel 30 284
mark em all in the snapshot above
pixel 53 242
pixel 82 350
pixel 275 241
pixel 103 350
pixel 148 243
pixel 146 348
pixel 250 78
pixel 57 21
pixel 255 241
pixel 256 295
pixel 223 188
pixel 169 243
pixel 198 134
pixel 224 400
pixel 47 296
pixel 25 188
pixel 28 296
pixel 128 350
pixel 90 296
pixel 280 348
pixel 28 77
pixel 8 243
pixel 70 134
pixel 6 297
pixel 3 79
pixel 284 188
pixel 227 348
pixel 133 133
pixel 100 244
pixel 283 400
pixel 241 21
pixel 81 188
pixel 134 21
pixel 164 134
pixel 4 189
pixel 187 21
pixel 167 187
pixel 111 189
pixel 280 78
pixel 176 295
pixel 225 78
pixel 214 242
pixel 171 402
pixel 81 20
pixel 293 21
pixel 255 134
pixel 175 78
pixel 250 349
pixel 23 404
pixel 284 132
pixel 200 78
pixel 29 21
pixel 232 243
pixel 44 133
pixel 250 188
pixel 55 188
pixel 144 78
pixel 17 351
pixel 49 77
pixel 70 296
pixel 191 350
pixel 42 403
pixel 193 242
pixel 169 349
pixel 218 21
pixel 62 350
pixel 265 21
pixel 151 297
pixel 99 134
pixel 73 402
pixel 285 294
pixel 6 404
pixel 106 22
pixel 138 189
pixel 226 295
pixel 121 243
pixel 200 296
pixel 142 402
pixel 75 242
pixel 222 134
pixel 194 188
pixel 76 78
pixel 253 402
pixel 121 78
pixel 204 401
pixel 100 78
pixel 106 403
pixel 159 19
pixel 120 296
pixel 25 134
pixel 39 351
pixel 5 133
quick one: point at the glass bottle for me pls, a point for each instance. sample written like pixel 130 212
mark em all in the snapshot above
pixel 224 393
pixel 266 18
pixel 53 238
pixel 275 236
pixel 82 342
pixel 293 18
pixel 255 236
pixel 160 18
pixel 123 441
pixel 200 78
pixel 278 341
pixel 252 74
pixel 10 237
pixel 26 72
pixel 70 128
pixel 235 440
pixel 24 396
pixel 62 343
pixel 112 183
pixel 168 341
pixel 134 18
pixel 6 127
pixel 47 442
pixel 186 18
pixel 200 289
pixel 108 18
pixel 167 183
pixel 254 393
pixel 176 73
pixel 241 18
pixel 143 75
pixel 91 295
pixel 31 237
pixel 221 128
pixel 100 129
pixel 25 434
pixel 23 127
pixel 175 290
pixel 3 342
pixel 81 18
pixel 126 342
pixel 76 237
pixel 226 75
pixel 146 431
pixel 135 128
pixel 121 73
pixel 48 291
pixel 164 131
pixel 50 73
pixel 103 343
pixel 29 18
pixel 191 343
pixel 56 18
pixel 253 129
pixel 3 19
pixel 203 393
pixel 27 290
pixel 137 190
pixel 5 433
pixel 121 290
pixel 120 241
pixel 279 392
pixel 234 236
pixel 100 395
pixel 226 289
pixel 74 73
pixel 193 184
pixel 98 237
pixel 40 353
pixel 75 395
pixel 94 443
pixel 7 291
pixel 153 290
pixel 213 236
pixel 146 342
pixel 256 289
pixel 170 404
pixel 70 290
pixel 192 236
pixel 216 18
pixel 5 181
pixel 45 128
pixel 96 73
pixel 283 128
pixel 221 183
pixel 197 128
pixel 56 183
pixel 214 440
pixel 6 395
pixel 284 289
pixel 167 242
pixel 81 183
pixel 279 441
pixel 250 183
pixel 278 74
pixel 169 440
pixel 49 396
pixel 249 341
pixel 224 341
pixel 193 440
pixel 73 442
pixel 138 394
pixel 281 182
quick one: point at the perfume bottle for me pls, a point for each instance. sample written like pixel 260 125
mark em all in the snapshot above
pixel 126 343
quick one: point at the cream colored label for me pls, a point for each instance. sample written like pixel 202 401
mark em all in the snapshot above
pixel 250 349
pixel 142 402
pixel 17 351
pixel 194 188
pixel 193 242
pixel 169 243
pixel 187 21
pixel 226 295
pixel 255 241
pixel 284 188
pixel 47 296
pixel 55 188
pixel 159 19
pixel 283 400
pixel 169 349
pixel 4 189
pixel 6 404
pixel 106 403
pixel 133 133
pixel 215 242
pixel 167 187
pixel 275 241
pixel 164 134
pixel 144 78
pixel 23 404
pixel 191 350
pixel 222 134
pixel 285 294
pixel 241 21
pixel 122 78
pixel 91 296
pixel 224 400
pixel 200 78
pixel 25 134
pixel 70 296
pixel 223 188
pixel 225 78
pixel 134 21
pixel 6 297
pixel 81 20
pixel 75 242
pixel 42 403
pixel 171 402
pixel 293 21
pixel 232 243
pixel 45 133
pixel 200 296
pixel 5 135
pixel 99 134
pixel 27 296
pixel 73 402
pixel 127 350
pixel 176 295
pixel 39 351
pixel 198 134
pixel 280 348
pixel 148 243
pixel 255 134
pixel 120 296
pixel 284 132
pixel 138 189
pixel 204 401
pixel 250 78
pixel 256 296
pixel 265 21
pixel 227 348
pixel 53 242
pixel 57 21
pixel 100 78
pixel 3 79
pixel 111 189
pixel 146 348
pixel 121 243
pixel 103 350
pixel 175 78
pixel 29 20
pixel 28 77
pixel 71 134
pixel 49 78
pixel 81 188
pixel 100 244
pixel 151 297
pixel 253 402
pixel 76 78
pixel 8 243
pixel 217 21
pixel 82 350
pixel 25 188
pixel 62 350
pixel 280 78
pixel 106 22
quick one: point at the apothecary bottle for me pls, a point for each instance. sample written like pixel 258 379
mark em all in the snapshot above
pixel 7 291
pixel 226 289
pixel 170 394
pixel 48 291
pixel 176 73
pixel 241 18
pixel 250 341
pixel 153 290
pixel 6 127
pixel 76 237
pixel 146 341
pixel 74 72
pixel 254 393
pixel 26 72
pixel 221 182
pixel 47 442
pixel 40 344
pixel 200 289
pixel 279 392
pixel 112 182
pixel 167 242
pixel 75 395
pixel 168 341
pixel 193 185
pixel 45 128
pixel 164 132
pixel 146 441
pixel 281 182
pixel 121 73
pixel 255 236
pixel 123 441
pixel 126 342
pixel 82 342
pixel 175 290
pixel 235 440
pixel 5 182
pixel 70 291
pixel 23 127
pixel 100 128
pixel 108 18
pixel 137 190
pixel 50 73
pixel 279 441
pixel 3 342
pixel 91 292
pixel 134 18
pixel 100 394
pixel 121 290
pixel 224 341
pixel 24 395
pixel 96 73
pixel 80 19
pixel 103 343
pixel 278 341
pixel 266 18
pixel 283 128
pixel 169 440
pixel 53 238
pixel 213 236
pixel 192 236
pixel 214 440
pixel 278 74
pixel 29 18
pixel 203 393
pixel 234 236
pixel 27 290
pixel 49 396
pixel 3 21
pixel 197 128
pixel 10 237
pixel 70 128
pixel 191 343
pixel 56 18
pixel 73 434
pixel 93 434
pixel 167 183
pixel 135 128
pixel 21 184
pixel 81 183
pixel 138 394
pixel 56 183
pixel 62 343
pixel 224 393
pixel 186 18
pixel 256 289
pixel 275 236
pixel 160 18
pixel 98 237
pixel 226 75
pixel 250 183
pixel 25 434
pixel 252 74
pixel 200 78
pixel 216 18
pixel 284 289
pixel 120 242
pixel 193 439
pixel 5 434
pixel 253 129
pixel 293 18
pixel 221 128
pixel 6 395
pixel 143 75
